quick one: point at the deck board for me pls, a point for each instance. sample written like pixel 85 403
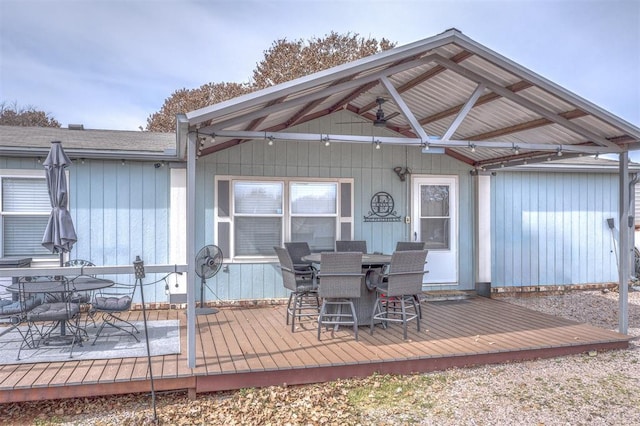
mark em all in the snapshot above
pixel 240 347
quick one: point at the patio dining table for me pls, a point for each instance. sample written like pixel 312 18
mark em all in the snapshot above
pixel 365 303
pixel 77 284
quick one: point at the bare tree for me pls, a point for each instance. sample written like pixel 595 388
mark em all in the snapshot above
pixel 284 61
pixel 185 100
pixel 13 115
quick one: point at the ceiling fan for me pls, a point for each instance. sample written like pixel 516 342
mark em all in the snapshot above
pixel 380 121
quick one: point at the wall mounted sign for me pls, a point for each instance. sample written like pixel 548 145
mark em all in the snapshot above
pixel 382 209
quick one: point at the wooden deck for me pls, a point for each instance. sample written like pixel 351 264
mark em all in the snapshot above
pixel 252 347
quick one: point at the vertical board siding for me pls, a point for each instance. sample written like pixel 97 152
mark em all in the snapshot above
pixel 551 228
pixel 372 171
pixel 120 212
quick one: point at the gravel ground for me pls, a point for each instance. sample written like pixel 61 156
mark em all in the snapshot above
pixel 588 389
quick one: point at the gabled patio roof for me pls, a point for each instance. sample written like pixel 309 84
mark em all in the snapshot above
pixel 446 91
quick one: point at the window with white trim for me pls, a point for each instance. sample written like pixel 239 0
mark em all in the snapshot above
pixel 24 213
pixel 255 214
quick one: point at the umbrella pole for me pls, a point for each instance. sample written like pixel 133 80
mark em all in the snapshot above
pixel 138 267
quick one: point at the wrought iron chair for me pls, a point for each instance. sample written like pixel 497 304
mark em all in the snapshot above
pixel 340 281
pixel 58 312
pixel 112 303
pixel 351 246
pixel 84 297
pixel 400 285
pixel 303 299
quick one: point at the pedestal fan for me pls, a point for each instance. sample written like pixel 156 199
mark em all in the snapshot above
pixel 208 263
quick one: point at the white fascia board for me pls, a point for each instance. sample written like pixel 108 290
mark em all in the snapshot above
pixel 182 129
pixel 322 77
pixel 547 85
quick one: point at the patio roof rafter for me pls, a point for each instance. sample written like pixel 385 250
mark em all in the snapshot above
pixel 330 90
pixel 417 128
pixel 464 111
pixel 489 97
pixel 525 102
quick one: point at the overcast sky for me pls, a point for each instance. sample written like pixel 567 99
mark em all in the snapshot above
pixel 110 64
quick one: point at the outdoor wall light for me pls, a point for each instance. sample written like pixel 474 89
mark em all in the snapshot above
pixel 326 141
pixel 472 146
pixel 559 152
pixel 270 143
pixel 122 162
pixel 516 149
pixel 377 143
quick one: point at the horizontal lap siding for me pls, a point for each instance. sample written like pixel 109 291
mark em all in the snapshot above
pixel 551 228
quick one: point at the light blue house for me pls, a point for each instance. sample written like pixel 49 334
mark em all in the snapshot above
pixel 416 143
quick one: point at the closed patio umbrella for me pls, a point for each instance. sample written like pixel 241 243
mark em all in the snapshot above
pixel 60 234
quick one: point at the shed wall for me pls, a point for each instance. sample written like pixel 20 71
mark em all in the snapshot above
pixel 551 228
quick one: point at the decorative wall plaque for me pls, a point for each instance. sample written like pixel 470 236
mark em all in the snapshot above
pixel 382 209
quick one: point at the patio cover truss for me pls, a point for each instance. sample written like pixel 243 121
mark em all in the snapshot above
pixel 446 91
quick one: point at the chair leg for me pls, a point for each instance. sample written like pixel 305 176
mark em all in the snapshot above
pixel 289 307
pixel 404 317
pixel 377 307
pixel 355 319
pixel 323 311
pixel 112 320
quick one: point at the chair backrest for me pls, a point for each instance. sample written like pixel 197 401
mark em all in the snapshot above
pixel 77 262
pixel 34 291
pixel 340 274
pixel 297 250
pixel 351 246
pixel 115 298
pixel 410 245
pixel 286 267
pixel 406 272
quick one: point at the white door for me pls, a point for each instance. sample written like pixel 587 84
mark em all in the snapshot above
pixel 435 221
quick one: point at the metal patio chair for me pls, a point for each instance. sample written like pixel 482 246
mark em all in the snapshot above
pixel 303 299
pixel 83 297
pixel 53 322
pixel 340 281
pixel 112 303
pixel 399 286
